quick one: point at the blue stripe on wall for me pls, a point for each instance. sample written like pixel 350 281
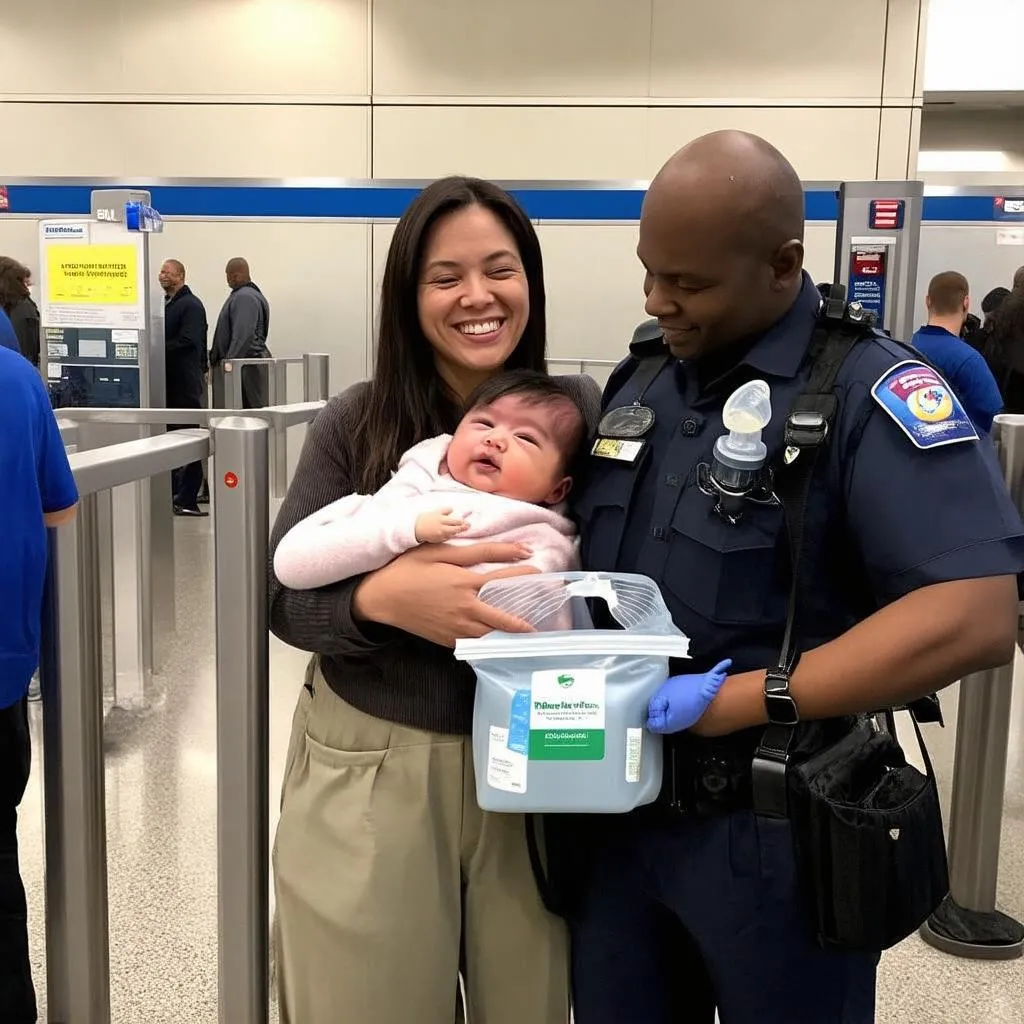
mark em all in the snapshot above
pixel 362 203
pixel 388 203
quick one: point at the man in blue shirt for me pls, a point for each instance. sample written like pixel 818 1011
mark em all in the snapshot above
pixel 948 301
pixel 39 492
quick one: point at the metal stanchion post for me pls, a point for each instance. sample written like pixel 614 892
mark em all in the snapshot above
pixel 279 392
pixel 280 437
pixel 316 368
pixel 77 937
pixel 967 924
pixel 280 461
pixel 243 680
pixel 232 385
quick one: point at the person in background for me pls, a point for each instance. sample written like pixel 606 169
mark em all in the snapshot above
pixel 948 302
pixel 16 301
pixel 242 331
pixel 8 339
pixel 39 492
pixel 992 302
pixel 385 868
pixel 1005 347
pixel 186 361
pixel 976 331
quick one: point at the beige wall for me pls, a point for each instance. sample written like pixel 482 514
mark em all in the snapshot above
pixel 571 89
pixel 410 88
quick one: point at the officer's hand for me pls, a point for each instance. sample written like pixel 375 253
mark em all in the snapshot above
pixel 429 591
pixel 682 700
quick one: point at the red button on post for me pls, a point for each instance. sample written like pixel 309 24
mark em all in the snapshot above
pixel 230 480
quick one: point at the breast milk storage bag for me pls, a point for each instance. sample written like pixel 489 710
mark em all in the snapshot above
pixel 558 724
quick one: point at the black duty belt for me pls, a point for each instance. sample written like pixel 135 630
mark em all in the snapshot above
pixel 707 777
pixel 703 778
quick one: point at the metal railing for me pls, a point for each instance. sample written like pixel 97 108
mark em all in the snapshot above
pixel 279 418
pixel 137 574
pixel 77 960
pixel 77 927
pixel 316 375
pixel 968 924
pixel 581 365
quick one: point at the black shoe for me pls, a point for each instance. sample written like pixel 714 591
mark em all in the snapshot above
pixel 204 497
pixel 193 512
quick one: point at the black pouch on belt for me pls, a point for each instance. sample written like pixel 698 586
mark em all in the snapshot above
pixel 870 849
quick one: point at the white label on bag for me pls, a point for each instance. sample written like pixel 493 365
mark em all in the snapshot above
pixel 634 753
pixel 506 769
pixel 567 715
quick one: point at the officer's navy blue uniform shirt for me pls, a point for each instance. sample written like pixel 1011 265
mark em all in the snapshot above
pixel 865 541
pixel 36 479
pixel 965 369
pixel 8 339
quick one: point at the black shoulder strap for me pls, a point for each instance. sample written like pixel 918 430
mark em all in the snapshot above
pixel 650 360
pixel 646 371
pixel 807 430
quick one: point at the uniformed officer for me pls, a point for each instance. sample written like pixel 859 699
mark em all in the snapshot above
pixel 674 908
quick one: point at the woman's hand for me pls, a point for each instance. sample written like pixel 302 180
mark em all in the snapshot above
pixel 429 592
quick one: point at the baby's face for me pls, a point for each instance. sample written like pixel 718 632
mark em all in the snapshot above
pixel 515 448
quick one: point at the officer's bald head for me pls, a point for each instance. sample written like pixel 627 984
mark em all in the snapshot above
pixel 741 181
pixel 721 235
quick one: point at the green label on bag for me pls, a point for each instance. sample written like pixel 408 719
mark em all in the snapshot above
pixel 567 745
pixel 567 715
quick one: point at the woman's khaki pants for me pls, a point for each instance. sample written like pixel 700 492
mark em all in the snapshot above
pixel 383 863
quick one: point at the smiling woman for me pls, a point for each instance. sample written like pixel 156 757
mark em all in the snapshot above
pixel 474 296
pixel 385 866
pixel 462 298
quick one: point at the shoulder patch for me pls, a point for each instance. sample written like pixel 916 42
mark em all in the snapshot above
pixel 923 405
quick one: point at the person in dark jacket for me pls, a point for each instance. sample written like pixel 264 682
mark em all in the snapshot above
pixel 186 362
pixel 976 331
pixel 8 339
pixel 16 302
pixel 1005 349
pixel 242 330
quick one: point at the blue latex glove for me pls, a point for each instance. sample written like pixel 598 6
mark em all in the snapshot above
pixel 682 700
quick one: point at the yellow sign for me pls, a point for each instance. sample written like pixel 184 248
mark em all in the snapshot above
pixel 92 275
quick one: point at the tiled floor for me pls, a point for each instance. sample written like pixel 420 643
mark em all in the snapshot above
pixel 161 834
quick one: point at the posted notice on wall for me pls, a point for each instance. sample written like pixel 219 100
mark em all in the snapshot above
pixel 93 286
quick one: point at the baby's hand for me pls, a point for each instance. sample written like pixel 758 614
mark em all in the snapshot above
pixel 438 526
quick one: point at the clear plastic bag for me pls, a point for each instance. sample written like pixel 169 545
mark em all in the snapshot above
pixel 559 718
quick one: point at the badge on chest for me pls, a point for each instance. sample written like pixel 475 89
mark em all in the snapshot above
pixel 622 432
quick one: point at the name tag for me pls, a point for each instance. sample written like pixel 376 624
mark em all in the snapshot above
pixel 620 449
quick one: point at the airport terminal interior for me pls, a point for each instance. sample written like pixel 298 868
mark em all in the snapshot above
pixel 293 134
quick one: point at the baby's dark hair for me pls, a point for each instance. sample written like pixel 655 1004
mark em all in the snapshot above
pixel 534 388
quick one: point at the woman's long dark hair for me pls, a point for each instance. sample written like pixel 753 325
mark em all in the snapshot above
pixel 407 400
pixel 1005 347
pixel 13 283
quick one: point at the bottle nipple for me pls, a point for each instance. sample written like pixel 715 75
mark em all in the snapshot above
pixel 747 412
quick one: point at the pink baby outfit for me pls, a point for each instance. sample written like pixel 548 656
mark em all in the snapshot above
pixel 360 533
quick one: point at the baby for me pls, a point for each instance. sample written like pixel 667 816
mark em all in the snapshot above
pixel 502 477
